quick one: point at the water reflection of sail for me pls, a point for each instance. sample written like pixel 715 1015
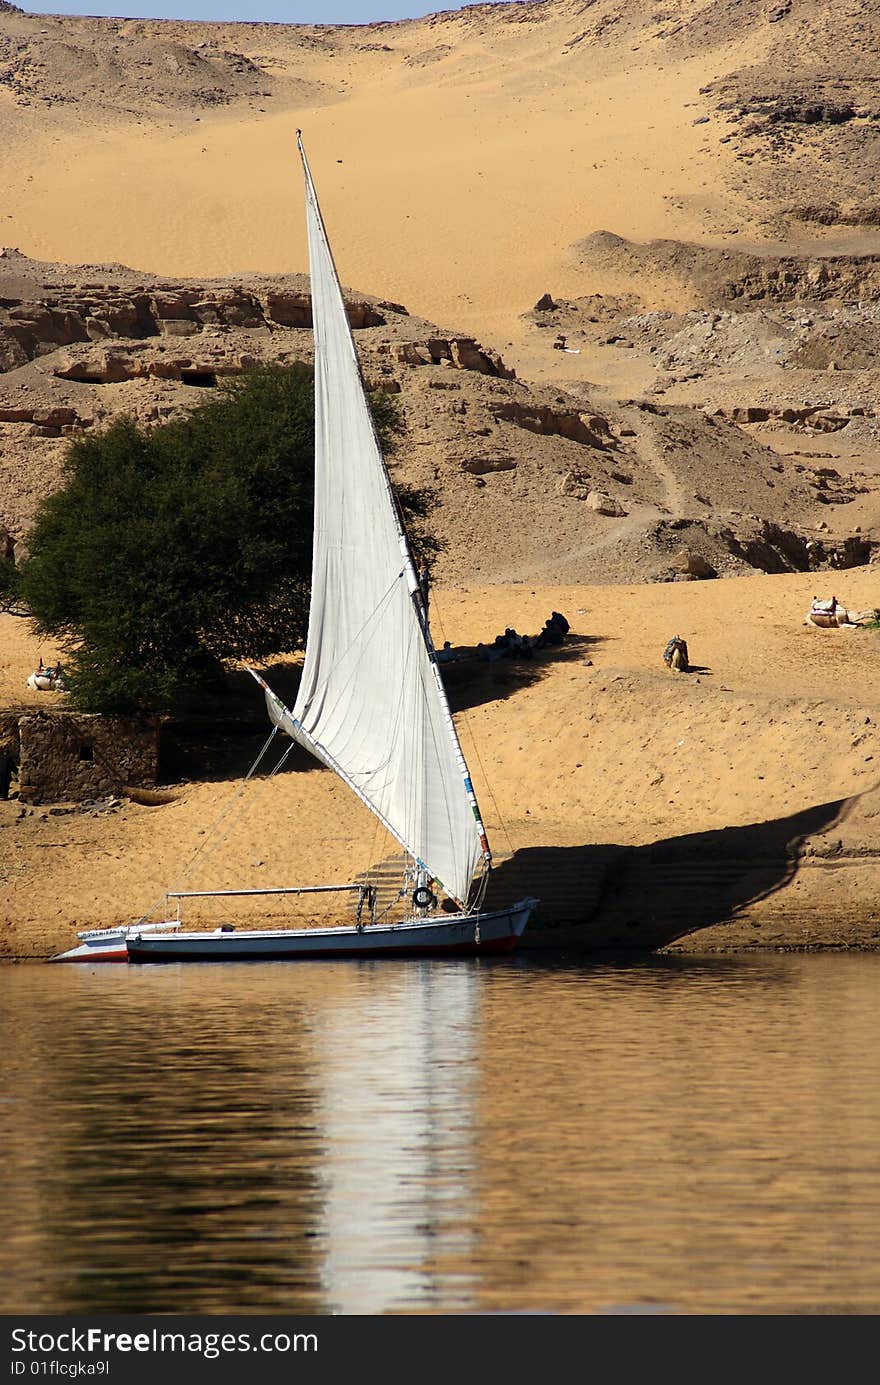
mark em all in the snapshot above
pixel 397 1088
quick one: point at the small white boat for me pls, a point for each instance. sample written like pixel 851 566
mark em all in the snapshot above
pixel 371 705
pixel 455 935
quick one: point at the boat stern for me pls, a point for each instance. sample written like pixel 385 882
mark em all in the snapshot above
pixel 521 912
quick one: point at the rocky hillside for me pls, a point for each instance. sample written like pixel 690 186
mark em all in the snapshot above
pixel 140 67
pixel 551 482
pixel 691 389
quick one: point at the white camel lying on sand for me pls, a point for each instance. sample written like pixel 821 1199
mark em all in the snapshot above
pixel 830 615
pixel 46 679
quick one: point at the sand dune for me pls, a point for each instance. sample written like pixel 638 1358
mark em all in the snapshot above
pixel 476 147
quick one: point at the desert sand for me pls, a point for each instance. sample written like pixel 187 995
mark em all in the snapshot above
pixel 740 800
pixel 697 190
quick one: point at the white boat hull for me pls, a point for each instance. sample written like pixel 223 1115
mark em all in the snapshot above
pixel 109 944
pixel 458 935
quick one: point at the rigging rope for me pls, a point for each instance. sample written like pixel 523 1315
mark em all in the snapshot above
pixel 188 868
pixel 322 685
pixel 474 748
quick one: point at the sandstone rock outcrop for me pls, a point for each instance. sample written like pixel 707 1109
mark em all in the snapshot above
pixel 591 430
pixel 735 278
pixel 29 329
pixel 462 352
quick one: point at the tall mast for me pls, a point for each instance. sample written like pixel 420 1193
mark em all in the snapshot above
pixel 366 607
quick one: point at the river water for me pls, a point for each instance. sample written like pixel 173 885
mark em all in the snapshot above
pixel 676 1135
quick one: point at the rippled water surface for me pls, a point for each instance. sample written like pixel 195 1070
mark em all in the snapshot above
pixel 679 1135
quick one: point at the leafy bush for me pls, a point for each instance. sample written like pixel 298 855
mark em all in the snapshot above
pixel 168 552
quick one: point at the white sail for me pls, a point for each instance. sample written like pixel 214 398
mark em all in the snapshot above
pixel 370 704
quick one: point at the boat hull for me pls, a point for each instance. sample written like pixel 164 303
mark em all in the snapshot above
pixel 106 952
pixel 107 944
pixel 460 935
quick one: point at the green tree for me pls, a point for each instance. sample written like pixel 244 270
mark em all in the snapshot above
pixel 169 551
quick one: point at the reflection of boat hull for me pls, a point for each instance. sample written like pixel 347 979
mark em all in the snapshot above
pixel 460 935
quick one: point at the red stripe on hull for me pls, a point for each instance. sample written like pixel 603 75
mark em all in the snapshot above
pixel 97 957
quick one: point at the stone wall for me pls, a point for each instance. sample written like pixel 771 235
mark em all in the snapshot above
pixel 71 756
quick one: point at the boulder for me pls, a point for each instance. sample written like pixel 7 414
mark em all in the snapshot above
pixel 233 307
pixel 603 504
pixel 177 305
pixel 289 309
pixel 693 564
pixel 178 327
pixel 828 423
pixel 577 484
pixel 123 317
pixel 414 353
pixel 52 326
pixel 481 466
pixel 750 414
pixel 462 352
pixel 12 353
pixel 363 315
pixel 97 368
pixel 467 355
pixel 98 329
pixel 588 429
pixel 439 349
pixel 54 417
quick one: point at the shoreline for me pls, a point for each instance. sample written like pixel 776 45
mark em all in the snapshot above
pixel 733 809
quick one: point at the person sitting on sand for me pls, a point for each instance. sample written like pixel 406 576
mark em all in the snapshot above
pixel 675 655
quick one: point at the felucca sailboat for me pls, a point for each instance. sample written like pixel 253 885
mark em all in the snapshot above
pixel 371 704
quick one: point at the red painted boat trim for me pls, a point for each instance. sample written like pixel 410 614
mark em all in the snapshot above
pixel 97 954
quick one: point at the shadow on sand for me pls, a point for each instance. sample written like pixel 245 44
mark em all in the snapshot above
pixel 611 898
pixel 219 738
pixel 471 680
